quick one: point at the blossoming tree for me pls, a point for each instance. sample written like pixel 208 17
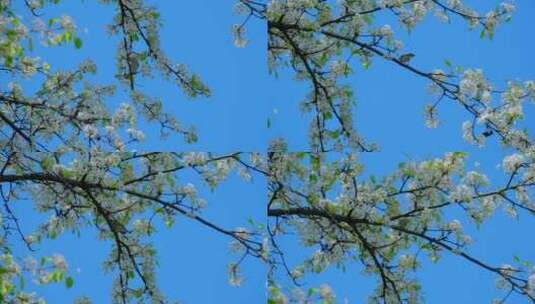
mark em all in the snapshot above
pixel 66 147
pixel 387 224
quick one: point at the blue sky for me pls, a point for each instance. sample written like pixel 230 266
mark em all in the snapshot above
pixel 389 112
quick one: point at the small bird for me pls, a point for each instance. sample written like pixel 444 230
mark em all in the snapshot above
pixel 488 133
pixel 405 58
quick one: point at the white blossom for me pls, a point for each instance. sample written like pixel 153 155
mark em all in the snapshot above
pixel 67 23
pixel 142 226
pixel 512 162
pixel 90 131
pixel 508 7
pixel 135 134
pixel 189 190
pixel 326 291
pixel 407 261
pixel 531 281
pixel 59 261
pixel 455 225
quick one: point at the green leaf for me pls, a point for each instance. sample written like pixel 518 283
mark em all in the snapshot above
pixel 130 274
pixel 77 43
pixel 138 293
pixel 69 282
pixel 30 44
pixel 48 162
pixel 168 222
pixel 66 36
pixel 300 155
pixel 366 64
pixel 460 154
pixel 56 276
pixel 315 161
pixel 334 134
pixel 368 18
pixel 52 21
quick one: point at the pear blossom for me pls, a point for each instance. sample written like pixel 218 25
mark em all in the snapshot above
pixel 59 262
pixel 507 7
pixel 462 193
pixel 511 162
pixel 90 131
pixel 507 269
pixel 326 292
pixel 407 261
pixel 531 281
pixel 238 32
pixel 189 190
pixel 339 68
pixel 455 225
pixel 142 226
pixel 135 134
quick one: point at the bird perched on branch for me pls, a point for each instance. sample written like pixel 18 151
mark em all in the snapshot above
pixel 405 58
